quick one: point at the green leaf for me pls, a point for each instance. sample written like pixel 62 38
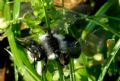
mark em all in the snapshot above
pixel 7 13
pixel 16 9
pixel 109 60
pixel 90 26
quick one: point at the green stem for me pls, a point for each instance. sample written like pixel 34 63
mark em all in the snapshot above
pixel 60 71
pixel 72 76
pixel 12 44
pixel 106 27
pixel 46 16
pixel 35 76
pixel 118 78
pixel 109 60
pixel 44 76
pixel 63 7
pixel 16 9
pixel 109 17
pixel 100 12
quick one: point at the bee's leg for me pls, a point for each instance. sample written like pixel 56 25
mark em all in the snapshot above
pixel 34 63
pixel 64 59
pixel 44 68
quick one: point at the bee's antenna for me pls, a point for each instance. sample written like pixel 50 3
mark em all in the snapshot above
pixel 34 62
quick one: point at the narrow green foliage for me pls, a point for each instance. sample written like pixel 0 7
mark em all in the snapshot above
pixel 106 27
pixel 7 13
pixel 16 9
pixel 13 45
pixel 20 59
pixel 109 60
pixel 61 74
pixel 46 16
pixel 72 73
pixel 90 26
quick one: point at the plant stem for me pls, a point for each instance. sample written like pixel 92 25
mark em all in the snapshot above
pixel 72 76
pixel 109 60
pixel 90 26
pixel 118 78
pixel 60 71
pixel 16 9
pixel 46 16
pixel 106 27
pixel 44 76
pixel 63 7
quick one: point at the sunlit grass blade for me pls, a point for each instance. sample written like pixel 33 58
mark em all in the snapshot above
pixel 72 74
pixel 1 7
pixel 46 15
pixel 109 17
pixel 90 26
pixel 20 59
pixel 106 27
pixel 109 60
pixel 118 78
pixel 12 44
pixel 7 14
pixel 16 9
pixel 34 75
pixel 60 70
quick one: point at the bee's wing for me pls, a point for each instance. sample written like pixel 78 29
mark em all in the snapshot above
pixel 92 43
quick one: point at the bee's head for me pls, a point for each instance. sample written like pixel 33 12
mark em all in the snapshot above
pixel 73 46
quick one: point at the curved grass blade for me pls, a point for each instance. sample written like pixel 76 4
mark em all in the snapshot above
pixel 106 27
pixel 90 26
pixel 16 9
pixel 109 60
pixel 20 59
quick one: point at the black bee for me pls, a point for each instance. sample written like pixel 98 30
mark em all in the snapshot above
pixel 53 46
pixel 60 46
pixel 37 52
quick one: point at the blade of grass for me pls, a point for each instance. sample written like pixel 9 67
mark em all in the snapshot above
pixel 46 16
pixel 12 44
pixel 7 14
pixel 90 26
pixel 60 71
pixel 2 4
pixel 36 78
pixel 20 60
pixel 106 27
pixel 109 60
pixel 44 77
pixel 72 76
pixel 118 78
pixel 109 17
pixel 16 9
pixel 63 9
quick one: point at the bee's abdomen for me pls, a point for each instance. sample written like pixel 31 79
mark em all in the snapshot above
pixel 54 44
